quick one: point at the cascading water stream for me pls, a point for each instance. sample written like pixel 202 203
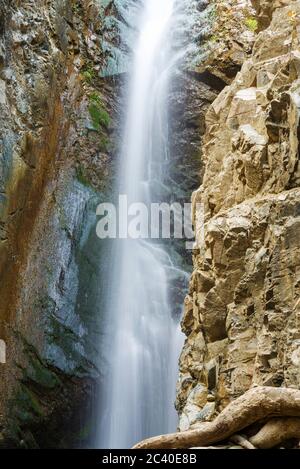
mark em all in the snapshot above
pixel 138 399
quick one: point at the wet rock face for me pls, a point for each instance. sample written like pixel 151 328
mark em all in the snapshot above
pixel 190 97
pixel 57 144
pixel 242 312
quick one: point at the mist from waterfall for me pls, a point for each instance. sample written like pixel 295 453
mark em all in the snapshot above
pixel 143 339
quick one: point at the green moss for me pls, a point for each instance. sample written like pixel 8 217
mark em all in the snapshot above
pixel 84 432
pixel 251 24
pixel 212 14
pixel 99 118
pixel 99 115
pixel 105 144
pixel 96 99
pixel 27 406
pixel 81 176
pixel 41 375
pixel 88 74
pixel 37 371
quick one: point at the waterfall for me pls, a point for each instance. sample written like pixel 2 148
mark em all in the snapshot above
pixel 143 340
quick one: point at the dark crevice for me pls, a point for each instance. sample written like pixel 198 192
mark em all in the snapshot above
pixel 209 79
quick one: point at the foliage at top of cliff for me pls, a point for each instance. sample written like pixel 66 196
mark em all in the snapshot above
pixel 232 37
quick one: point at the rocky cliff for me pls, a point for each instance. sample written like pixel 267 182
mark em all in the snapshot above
pixel 58 126
pixel 62 65
pixel 241 315
pixel 62 69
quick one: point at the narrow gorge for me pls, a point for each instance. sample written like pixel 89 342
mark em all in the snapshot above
pixel 111 337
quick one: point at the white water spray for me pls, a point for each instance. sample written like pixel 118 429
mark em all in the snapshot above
pixel 138 401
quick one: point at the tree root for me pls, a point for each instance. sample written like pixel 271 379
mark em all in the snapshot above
pixel 275 431
pixel 256 404
pixel 242 441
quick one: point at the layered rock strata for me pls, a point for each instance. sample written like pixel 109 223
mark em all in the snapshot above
pixel 242 312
